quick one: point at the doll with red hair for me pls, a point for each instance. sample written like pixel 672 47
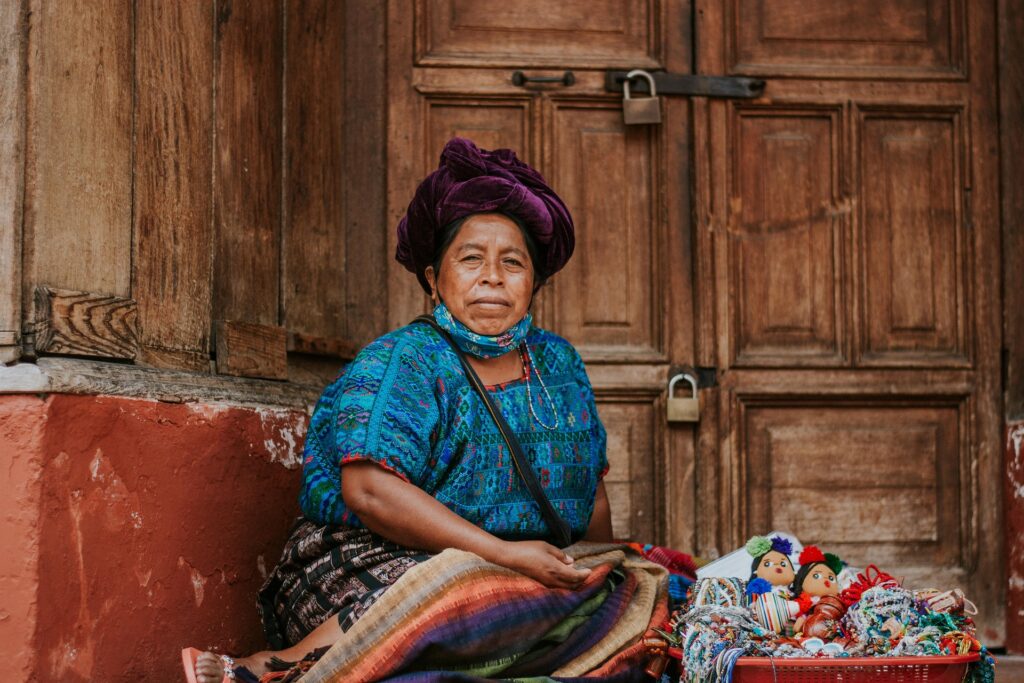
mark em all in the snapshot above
pixel 816 588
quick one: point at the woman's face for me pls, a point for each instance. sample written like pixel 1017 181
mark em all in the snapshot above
pixel 486 276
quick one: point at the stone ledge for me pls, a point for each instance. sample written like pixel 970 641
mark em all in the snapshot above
pixel 55 375
pixel 1009 668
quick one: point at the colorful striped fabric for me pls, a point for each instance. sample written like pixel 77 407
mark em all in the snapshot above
pixel 456 617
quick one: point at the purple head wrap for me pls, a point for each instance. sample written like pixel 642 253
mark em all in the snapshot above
pixel 471 180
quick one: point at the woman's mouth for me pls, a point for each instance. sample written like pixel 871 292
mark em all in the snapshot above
pixel 490 301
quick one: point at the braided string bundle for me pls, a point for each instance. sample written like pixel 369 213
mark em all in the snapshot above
pixel 717 627
pixel 713 638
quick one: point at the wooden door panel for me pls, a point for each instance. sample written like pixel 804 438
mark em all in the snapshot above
pixel 881 117
pixel 884 482
pixel 912 251
pixel 491 124
pixel 785 238
pixel 603 301
pixel 828 38
pixel 631 428
pixel 538 33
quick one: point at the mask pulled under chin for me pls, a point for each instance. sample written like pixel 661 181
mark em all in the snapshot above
pixel 482 345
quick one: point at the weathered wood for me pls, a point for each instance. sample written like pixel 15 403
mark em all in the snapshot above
pixel 605 298
pixel 250 350
pixel 1011 145
pixel 366 169
pixel 1011 101
pixel 77 228
pixel 79 376
pixel 538 33
pixel 12 174
pixel 173 157
pixel 85 324
pixel 850 219
pixel 247 175
pixel 858 39
pixel 193 361
pixel 405 299
pixel 315 256
pixel 332 347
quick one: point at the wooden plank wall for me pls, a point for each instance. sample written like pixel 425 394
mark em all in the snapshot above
pixel 172 200
pixel 1011 89
pixel 1011 118
pixel 210 161
pixel 12 143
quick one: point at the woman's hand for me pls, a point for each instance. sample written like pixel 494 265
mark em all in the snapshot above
pixel 409 516
pixel 542 562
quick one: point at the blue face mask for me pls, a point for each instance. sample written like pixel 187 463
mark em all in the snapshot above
pixel 479 345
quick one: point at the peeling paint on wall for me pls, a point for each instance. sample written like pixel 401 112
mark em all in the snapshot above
pixel 151 529
pixel 1014 454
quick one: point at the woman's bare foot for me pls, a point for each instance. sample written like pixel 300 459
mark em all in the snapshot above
pixel 210 666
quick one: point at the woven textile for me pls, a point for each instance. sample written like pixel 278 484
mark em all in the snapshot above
pixel 328 570
pixel 405 404
pixel 458 617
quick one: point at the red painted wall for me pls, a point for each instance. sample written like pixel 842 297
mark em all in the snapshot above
pixel 133 528
pixel 1015 537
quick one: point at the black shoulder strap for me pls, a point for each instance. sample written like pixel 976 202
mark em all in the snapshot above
pixel 558 526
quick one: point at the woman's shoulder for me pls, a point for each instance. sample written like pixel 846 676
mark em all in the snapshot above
pixel 414 338
pixel 411 347
pixel 552 352
pixel 539 338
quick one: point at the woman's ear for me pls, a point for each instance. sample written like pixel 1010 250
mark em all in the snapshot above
pixel 428 273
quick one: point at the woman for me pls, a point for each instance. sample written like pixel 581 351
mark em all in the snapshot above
pixel 403 460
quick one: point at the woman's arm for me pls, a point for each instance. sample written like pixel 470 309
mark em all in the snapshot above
pixel 600 528
pixel 407 515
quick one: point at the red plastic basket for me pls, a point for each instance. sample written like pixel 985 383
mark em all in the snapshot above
pixel 938 669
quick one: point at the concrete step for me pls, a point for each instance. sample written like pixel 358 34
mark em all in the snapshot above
pixel 1009 668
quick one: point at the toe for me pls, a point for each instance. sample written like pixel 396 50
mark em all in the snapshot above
pixel 209 668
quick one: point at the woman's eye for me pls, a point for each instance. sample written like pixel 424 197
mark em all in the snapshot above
pixel 767 563
pixel 513 262
pixel 471 258
pixel 817 575
pixel 782 564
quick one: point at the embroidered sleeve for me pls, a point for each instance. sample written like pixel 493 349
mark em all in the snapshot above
pixel 387 412
pixel 384 411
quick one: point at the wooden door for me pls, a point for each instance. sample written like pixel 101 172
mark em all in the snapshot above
pixel 849 285
pixel 624 299
pixel 840 270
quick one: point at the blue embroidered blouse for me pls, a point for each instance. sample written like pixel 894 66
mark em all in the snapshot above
pixel 405 404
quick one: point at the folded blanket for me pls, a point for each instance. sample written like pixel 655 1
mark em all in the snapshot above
pixel 456 617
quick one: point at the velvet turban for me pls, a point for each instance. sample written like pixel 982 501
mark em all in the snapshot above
pixel 471 180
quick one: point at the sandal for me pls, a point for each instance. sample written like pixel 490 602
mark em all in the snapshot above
pixel 231 672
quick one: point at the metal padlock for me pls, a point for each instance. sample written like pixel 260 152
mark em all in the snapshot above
pixel 640 110
pixel 683 409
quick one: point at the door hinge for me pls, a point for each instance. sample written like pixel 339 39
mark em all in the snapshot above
pixel 689 84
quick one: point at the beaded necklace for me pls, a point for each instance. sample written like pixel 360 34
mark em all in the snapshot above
pixel 530 369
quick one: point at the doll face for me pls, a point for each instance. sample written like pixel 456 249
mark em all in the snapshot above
pixel 821 581
pixel 776 569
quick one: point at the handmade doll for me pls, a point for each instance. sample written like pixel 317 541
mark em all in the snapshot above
pixel 817 589
pixel 771 562
pixel 771 572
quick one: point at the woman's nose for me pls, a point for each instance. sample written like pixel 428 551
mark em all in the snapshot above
pixel 491 272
